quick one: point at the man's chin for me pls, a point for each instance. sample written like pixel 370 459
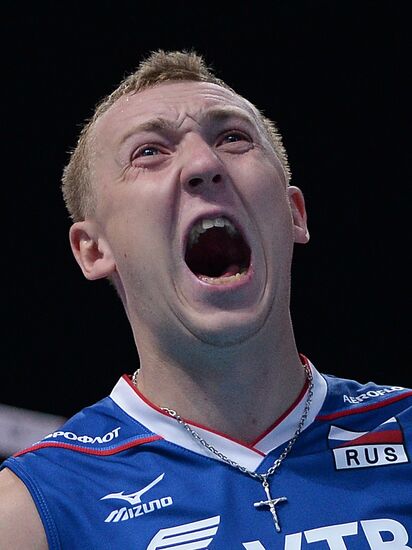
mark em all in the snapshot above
pixel 224 329
pixel 223 312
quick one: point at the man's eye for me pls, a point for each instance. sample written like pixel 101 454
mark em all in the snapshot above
pixel 147 151
pixel 233 137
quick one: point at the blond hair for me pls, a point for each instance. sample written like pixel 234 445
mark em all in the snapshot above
pixel 157 68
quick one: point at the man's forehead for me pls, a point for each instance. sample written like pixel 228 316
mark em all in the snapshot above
pixel 174 101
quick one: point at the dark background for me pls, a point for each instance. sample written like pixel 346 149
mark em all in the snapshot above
pixel 334 75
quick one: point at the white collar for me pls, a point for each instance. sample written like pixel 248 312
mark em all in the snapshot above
pixel 128 398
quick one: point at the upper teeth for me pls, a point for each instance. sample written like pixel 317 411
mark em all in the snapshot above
pixel 207 223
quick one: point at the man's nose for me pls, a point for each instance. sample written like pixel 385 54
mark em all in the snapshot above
pixel 202 166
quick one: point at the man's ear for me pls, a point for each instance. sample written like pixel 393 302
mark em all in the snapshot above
pixel 297 206
pixel 91 250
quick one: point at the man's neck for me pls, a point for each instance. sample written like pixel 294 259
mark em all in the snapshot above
pixel 239 391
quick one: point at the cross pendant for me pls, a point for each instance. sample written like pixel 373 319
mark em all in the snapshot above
pixel 271 502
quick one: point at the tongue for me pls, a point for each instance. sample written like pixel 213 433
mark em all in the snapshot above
pixel 231 270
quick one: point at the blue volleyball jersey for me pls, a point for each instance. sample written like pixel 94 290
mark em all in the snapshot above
pixel 122 474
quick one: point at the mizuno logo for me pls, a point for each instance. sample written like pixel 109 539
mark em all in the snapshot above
pixel 134 498
pixel 382 446
pixel 136 508
pixel 190 536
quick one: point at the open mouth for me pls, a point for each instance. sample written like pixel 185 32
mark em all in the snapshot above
pixel 216 251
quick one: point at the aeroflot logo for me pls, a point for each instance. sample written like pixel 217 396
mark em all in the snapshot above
pixel 86 438
pixel 371 394
pixel 383 446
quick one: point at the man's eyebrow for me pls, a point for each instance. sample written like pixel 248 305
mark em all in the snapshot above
pixel 158 124
pixel 221 114
pixel 214 114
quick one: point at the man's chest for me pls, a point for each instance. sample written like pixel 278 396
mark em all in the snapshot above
pixel 181 504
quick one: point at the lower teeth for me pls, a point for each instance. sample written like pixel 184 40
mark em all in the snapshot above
pixel 222 280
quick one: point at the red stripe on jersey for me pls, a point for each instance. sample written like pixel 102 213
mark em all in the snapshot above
pixel 364 408
pixel 250 446
pixel 284 415
pixel 191 422
pixel 89 451
pixel 388 436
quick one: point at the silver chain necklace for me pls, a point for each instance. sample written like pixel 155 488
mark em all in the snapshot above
pixel 263 478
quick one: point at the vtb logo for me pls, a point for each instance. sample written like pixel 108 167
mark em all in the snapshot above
pixel 380 447
pixel 373 534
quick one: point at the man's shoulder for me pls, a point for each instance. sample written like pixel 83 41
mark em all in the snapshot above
pixel 99 429
pixel 347 398
pixel 91 441
pixel 16 504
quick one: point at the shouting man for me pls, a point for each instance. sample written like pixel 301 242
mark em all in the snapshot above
pixel 225 437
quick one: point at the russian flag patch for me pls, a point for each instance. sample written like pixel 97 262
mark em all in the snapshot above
pixel 383 446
